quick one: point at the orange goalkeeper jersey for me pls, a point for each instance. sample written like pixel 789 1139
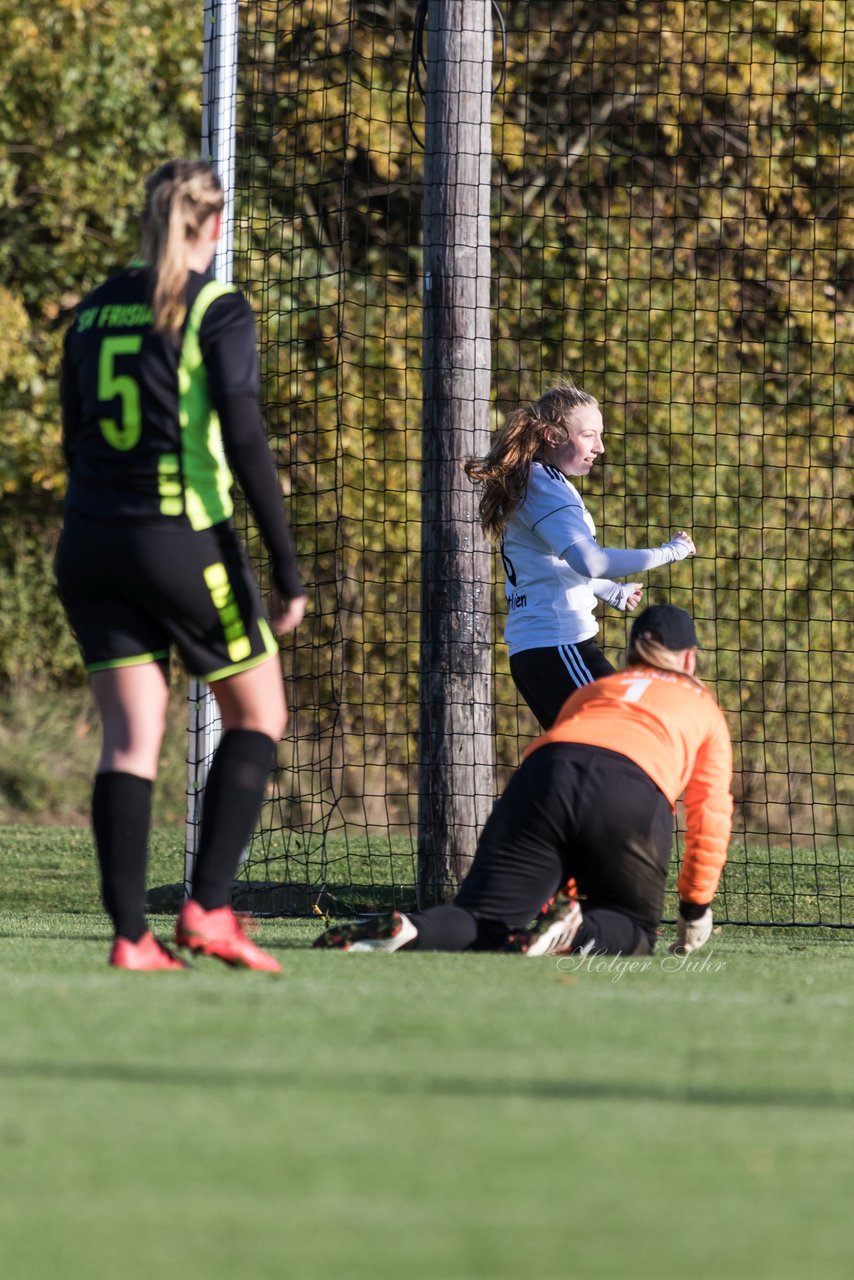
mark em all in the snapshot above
pixel 671 726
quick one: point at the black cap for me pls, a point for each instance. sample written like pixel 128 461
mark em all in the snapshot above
pixel 668 625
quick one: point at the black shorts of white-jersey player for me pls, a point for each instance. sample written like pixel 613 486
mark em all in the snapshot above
pixel 555 570
pixel 160 399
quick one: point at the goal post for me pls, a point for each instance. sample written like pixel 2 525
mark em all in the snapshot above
pixel 456 762
pixel 218 143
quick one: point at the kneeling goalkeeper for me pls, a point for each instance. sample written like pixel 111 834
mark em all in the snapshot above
pixel 592 806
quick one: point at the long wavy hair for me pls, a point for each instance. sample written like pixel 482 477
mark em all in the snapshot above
pixel 179 197
pixel 503 473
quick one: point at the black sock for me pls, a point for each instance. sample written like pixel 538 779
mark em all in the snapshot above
pixel 611 933
pixel 234 792
pixel 121 818
pixel 447 928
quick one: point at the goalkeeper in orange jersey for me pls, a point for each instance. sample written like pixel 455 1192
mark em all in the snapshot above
pixel 593 803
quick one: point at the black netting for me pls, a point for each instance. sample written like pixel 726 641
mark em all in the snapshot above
pixel 670 228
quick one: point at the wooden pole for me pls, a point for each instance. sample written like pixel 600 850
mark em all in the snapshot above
pixel 456 750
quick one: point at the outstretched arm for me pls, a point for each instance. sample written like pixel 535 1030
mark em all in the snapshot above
pixel 590 560
pixel 554 511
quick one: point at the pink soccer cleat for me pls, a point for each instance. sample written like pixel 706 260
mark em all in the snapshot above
pixel 148 953
pixel 220 933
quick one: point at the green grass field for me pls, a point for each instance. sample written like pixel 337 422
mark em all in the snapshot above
pixel 413 1116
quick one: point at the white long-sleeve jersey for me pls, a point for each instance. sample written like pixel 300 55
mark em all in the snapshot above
pixel 555 568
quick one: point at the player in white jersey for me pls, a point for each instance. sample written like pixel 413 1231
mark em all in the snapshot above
pixel 555 568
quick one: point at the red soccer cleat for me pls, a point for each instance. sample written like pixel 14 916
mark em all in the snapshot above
pixel 220 933
pixel 148 953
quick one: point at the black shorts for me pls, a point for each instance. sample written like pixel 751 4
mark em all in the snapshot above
pixel 546 677
pixel 579 812
pixel 133 588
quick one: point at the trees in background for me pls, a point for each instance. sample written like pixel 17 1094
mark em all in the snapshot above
pixel 93 97
pixel 669 228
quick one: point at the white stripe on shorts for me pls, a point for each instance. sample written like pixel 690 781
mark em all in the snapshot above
pixel 574 665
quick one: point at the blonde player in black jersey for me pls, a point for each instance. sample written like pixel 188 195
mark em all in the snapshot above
pixel 160 399
pixel 555 568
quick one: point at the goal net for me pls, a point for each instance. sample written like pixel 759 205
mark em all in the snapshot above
pixel 668 226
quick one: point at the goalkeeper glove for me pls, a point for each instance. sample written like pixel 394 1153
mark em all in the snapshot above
pixel 679 547
pixel 693 930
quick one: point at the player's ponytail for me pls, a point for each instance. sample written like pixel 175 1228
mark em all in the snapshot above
pixel 180 196
pixel 503 473
pixel 646 651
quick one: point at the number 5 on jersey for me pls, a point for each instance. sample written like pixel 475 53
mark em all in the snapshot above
pixel 125 433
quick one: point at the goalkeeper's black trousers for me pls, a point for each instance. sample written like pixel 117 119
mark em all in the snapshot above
pixel 570 812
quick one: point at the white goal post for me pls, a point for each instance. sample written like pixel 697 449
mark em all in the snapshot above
pixel 219 105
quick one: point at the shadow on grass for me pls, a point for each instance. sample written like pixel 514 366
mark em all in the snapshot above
pixel 550 1091
pixel 106 938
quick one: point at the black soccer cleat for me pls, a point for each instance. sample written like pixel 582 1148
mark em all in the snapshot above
pixel 390 931
pixel 554 930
